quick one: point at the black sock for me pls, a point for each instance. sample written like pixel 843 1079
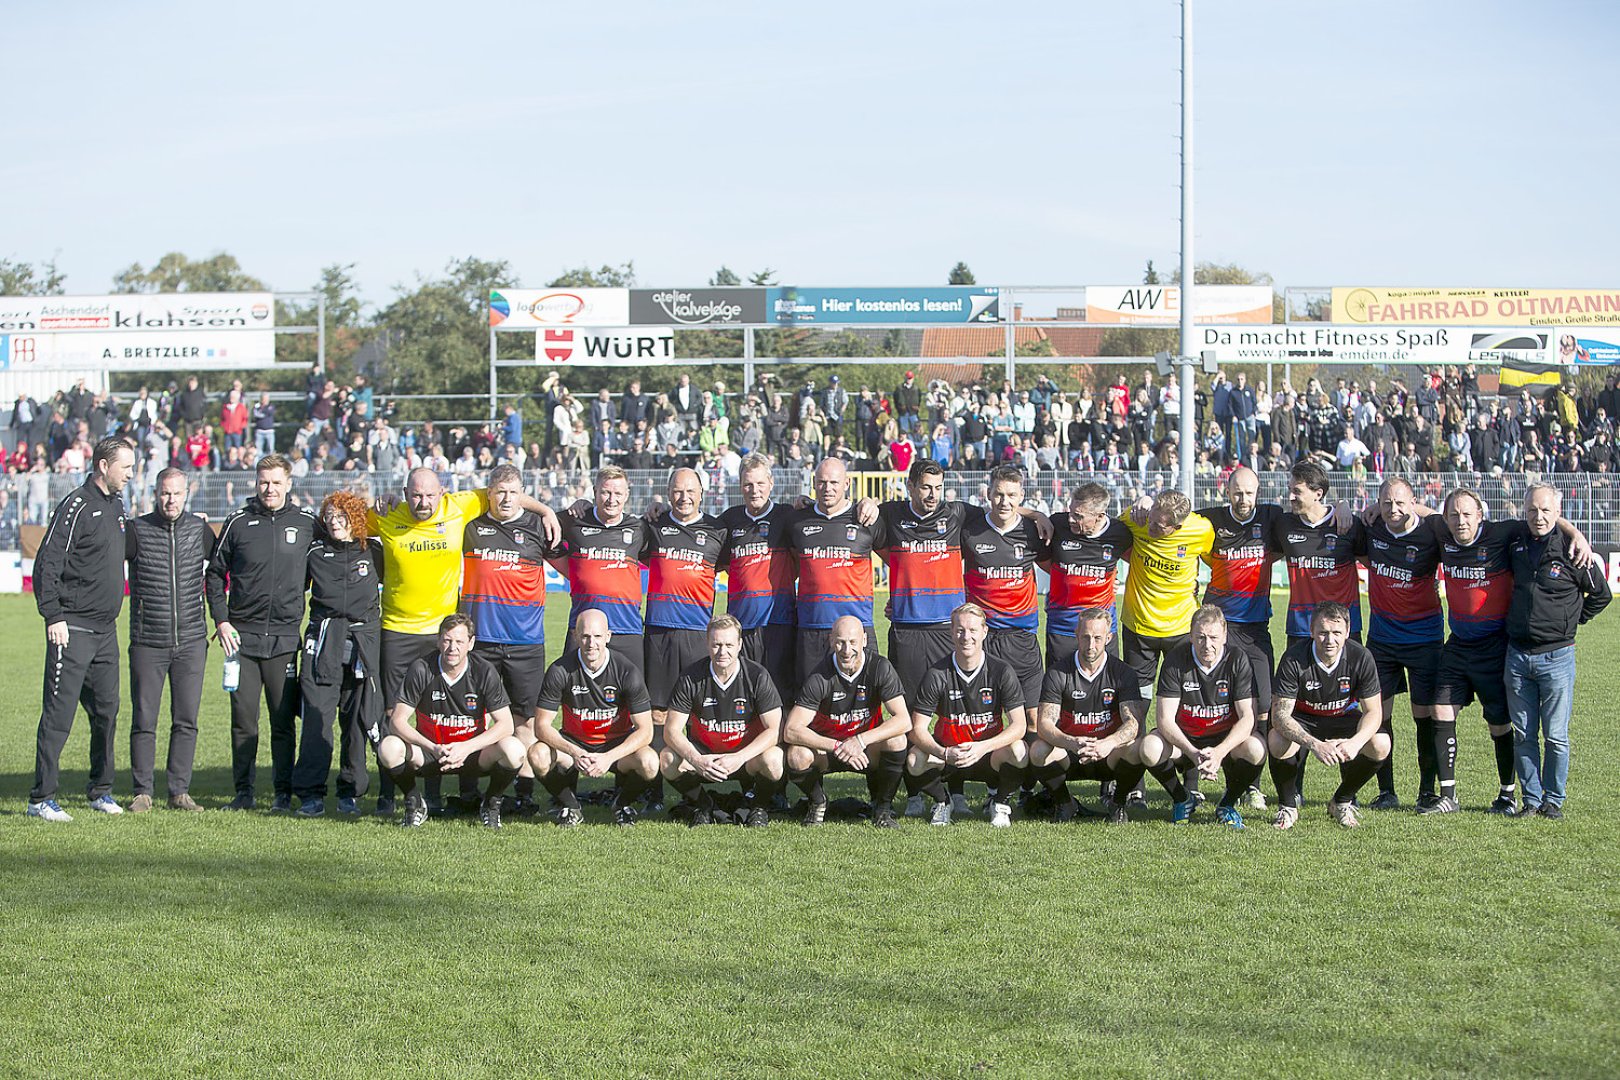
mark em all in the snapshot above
pixel 763 791
pixel 1429 770
pixel 1386 768
pixel 956 785
pixel 1052 776
pixel 499 777
pixel 883 776
pixel 385 783
pixel 1009 778
pixel 1506 763
pixel 1300 758
pixel 931 782
pixel 523 788
pixel 433 788
pixel 1167 776
pixel 1444 749
pixel 1285 774
pixel 1189 776
pixel 1126 776
pixel 687 783
pixel 1240 777
pixel 561 784
pixel 809 781
pixel 628 786
pixel 1353 776
pixel 403 776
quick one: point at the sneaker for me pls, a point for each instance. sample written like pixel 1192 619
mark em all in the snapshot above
pixel 702 815
pixel 883 817
pixel 1287 817
pixel 757 818
pixel 570 816
pixel 916 806
pixel 312 808
pixel 489 812
pixel 941 814
pixel 48 810
pixel 105 804
pixel 1387 800
pixel 1106 791
pixel 959 804
pixel 1426 799
pixel 1117 814
pixel 1229 816
pixel 1442 804
pixel 1552 811
pixel 1136 799
pixel 416 811
pixel 244 801
pixel 1067 811
pixel 385 807
pixel 1000 815
pixel 1502 805
pixel 281 804
pixel 1344 813
pixel 625 815
pixel 140 804
pixel 816 812
pixel 1182 812
pixel 1254 799
pixel 184 802
pixel 1527 810
pixel 1198 798
pixel 349 805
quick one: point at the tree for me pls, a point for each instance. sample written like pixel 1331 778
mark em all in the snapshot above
pixel 174 272
pixel 605 277
pixel 766 276
pixel 346 330
pixel 961 275
pixel 1150 276
pixel 725 276
pixel 29 279
pixel 436 336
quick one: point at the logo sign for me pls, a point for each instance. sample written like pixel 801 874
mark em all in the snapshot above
pixel 137 311
pixel 1108 695
pixel 163 331
pixel 291 533
pixel 527 309
pixel 943 304
pixel 739 706
pixel 1160 305
pixel 1476 307
pixel 471 701
pixel 1344 684
pixel 1362 344
pixel 604 348
pixel 696 307
pixel 610 694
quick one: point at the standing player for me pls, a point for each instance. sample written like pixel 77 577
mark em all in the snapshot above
pixel 923 547
pixel 685 547
pixel 602 562
pixel 463 724
pixel 1205 715
pixel 837 725
pixel 1090 719
pixel 1326 702
pixel 968 721
pixel 834 554
pixel 1086 548
pixel 1321 560
pixel 1161 591
pixel 1000 548
pixel 725 721
pixel 607 724
pixel 760 572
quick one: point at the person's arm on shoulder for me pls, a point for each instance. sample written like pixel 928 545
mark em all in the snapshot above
pixel 1596 592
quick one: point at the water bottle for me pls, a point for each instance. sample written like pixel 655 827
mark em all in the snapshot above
pixel 233 674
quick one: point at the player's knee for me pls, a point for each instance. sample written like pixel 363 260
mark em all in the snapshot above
pixel 669 764
pixel 893 745
pixel 771 764
pixel 1153 750
pixel 1277 745
pixel 1040 754
pixel 1252 750
pixel 391 752
pixel 644 763
pixel 1016 754
pixel 800 758
pixel 1378 747
pixel 916 761
pixel 540 759
pixel 509 753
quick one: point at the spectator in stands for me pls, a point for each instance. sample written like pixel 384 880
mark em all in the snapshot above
pixel 635 406
pixel 907 399
pixel 686 401
pixel 811 432
pixel 603 408
pixel 605 442
pixel 1351 451
pixel 834 402
pixel 638 458
pixel 190 406
pixel 23 414
pixel 775 423
pixel 233 419
pixel 671 457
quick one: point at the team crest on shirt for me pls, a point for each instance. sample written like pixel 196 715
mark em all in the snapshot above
pixel 1480 556
pixel 860 695
pixel 1018 550
pixel 471 701
pixel 1181 551
pixel 1555 570
pixel 629 535
pixel 739 706
pixel 1107 695
pixel 363 569
pixel 291 534
pixel 1257 532
pixel 1411 554
pixel 1108 553
pixel 849 533
pixel 987 696
pixel 439 528
pixel 1344 684
pixel 1329 541
pixel 764 530
pixel 1223 689
pixel 518 538
pixel 939 526
pixel 610 694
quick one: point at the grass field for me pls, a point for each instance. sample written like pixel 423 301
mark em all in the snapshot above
pixel 174 944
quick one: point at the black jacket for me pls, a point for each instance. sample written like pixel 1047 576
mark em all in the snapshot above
pixel 1551 595
pixel 345 604
pixel 167 594
pixel 79 570
pixel 263 557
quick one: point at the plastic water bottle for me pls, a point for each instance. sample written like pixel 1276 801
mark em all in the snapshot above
pixel 233 674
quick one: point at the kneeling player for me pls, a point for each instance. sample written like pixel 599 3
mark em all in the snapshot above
pixel 1326 700
pixel 607 724
pixel 1205 715
pixel 968 722
pixel 725 720
pixel 833 726
pixel 1090 719
pixel 463 724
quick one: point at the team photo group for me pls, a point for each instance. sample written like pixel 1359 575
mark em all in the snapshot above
pixel 410 632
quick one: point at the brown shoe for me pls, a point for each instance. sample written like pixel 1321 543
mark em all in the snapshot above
pixel 181 801
pixel 140 804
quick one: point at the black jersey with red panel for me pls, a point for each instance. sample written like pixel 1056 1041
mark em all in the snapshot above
pixel 847 705
pixel 1000 569
pixel 724 716
pixel 682 558
pixel 1321 568
pixel 835 566
pixel 1207 698
pixel 595 706
pixel 1403 596
pixel 925 562
pixel 1326 693
pixel 1479 580
pixel 1240 563
pixel 968 706
pixel 1084 572
pixel 759 567
pixel 503 578
pixel 453 711
pixel 1090 706
pixel 604 568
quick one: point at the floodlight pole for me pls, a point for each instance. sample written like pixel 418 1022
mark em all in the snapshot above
pixel 1186 360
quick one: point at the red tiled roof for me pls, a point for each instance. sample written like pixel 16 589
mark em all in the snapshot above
pixel 975 340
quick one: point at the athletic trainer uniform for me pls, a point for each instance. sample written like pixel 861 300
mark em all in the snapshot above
pixel 925 584
pixel 759 588
pixel 1083 574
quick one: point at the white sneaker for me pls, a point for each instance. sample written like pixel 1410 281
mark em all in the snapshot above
pixel 1345 814
pixel 916 806
pixel 1255 799
pixel 49 810
pixel 1287 817
pixel 106 804
pixel 959 804
pixel 941 814
pixel 1000 815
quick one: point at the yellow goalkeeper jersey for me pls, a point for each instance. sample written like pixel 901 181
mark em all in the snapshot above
pixel 1161 590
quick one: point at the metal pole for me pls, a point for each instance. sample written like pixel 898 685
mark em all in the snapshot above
pixel 748 360
pixel 1012 342
pixel 1188 365
pixel 492 395
pixel 320 332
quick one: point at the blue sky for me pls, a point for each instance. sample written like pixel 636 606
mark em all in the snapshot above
pixel 1386 142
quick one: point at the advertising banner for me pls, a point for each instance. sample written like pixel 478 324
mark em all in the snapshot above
pixel 1328 343
pixel 1160 305
pixel 1476 307
pixel 943 304
pixel 528 309
pixel 696 307
pixel 138 351
pixel 618 347
pixel 1580 345
pixel 137 312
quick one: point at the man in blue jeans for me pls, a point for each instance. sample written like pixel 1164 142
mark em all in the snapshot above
pixel 1552 595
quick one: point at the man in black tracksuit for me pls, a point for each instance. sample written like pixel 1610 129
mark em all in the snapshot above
pixel 168 637
pixel 261 551
pixel 79 590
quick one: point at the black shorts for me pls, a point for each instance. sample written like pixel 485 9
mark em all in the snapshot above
pixel 1089 770
pixel 1403 668
pixel 629 648
pixel 1329 728
pixel 522 669
pixel 399 652
pixel 599 748
pixel 772 647
pixel 1470 669
pixel 1254 641
pixel 813 647
pixel 1019 650
pixel 915 649
pixel 670 651
pixel 1144 651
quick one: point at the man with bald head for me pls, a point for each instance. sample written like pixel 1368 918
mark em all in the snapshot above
pixel 685 547
pixel 834 554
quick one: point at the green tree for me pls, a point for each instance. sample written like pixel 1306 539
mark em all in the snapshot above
pixel 436 336
pixel 725 276
pixel 346 328
pixel 1150 276
pixel 175 272
pixel 961 275
pixel 604 277
pixel 30 279
pixel 766 276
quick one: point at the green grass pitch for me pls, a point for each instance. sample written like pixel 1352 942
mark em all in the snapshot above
pixel 215 944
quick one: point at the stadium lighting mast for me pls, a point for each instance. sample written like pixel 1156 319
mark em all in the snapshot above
pixel 1187 362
